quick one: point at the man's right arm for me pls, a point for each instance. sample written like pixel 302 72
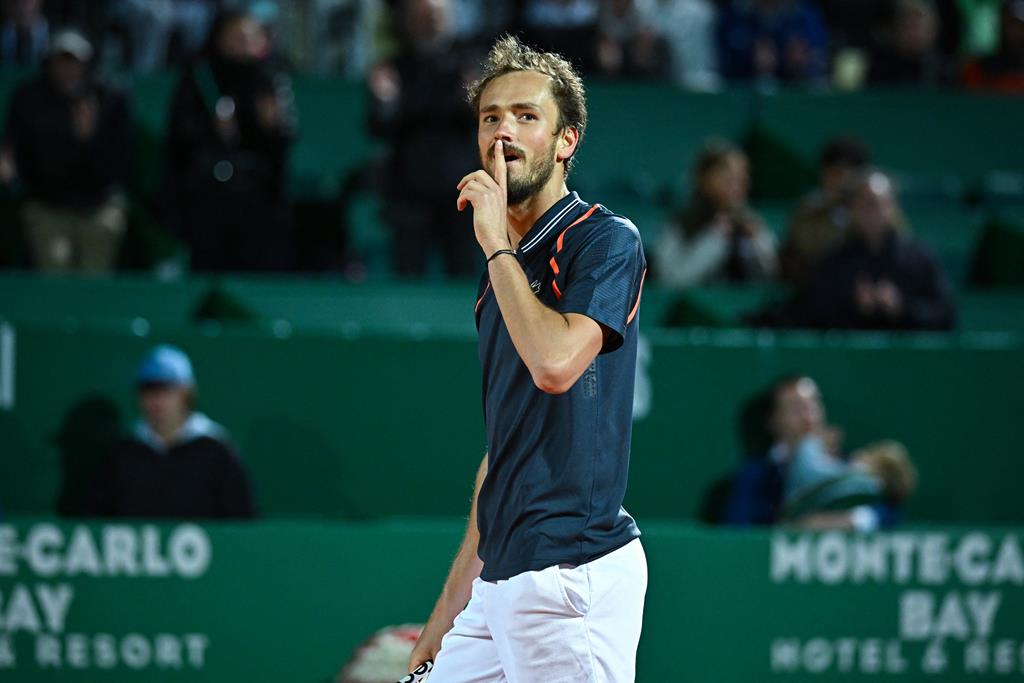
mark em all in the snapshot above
pixel 457 587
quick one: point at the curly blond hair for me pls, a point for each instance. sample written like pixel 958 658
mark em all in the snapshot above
pixel 509 55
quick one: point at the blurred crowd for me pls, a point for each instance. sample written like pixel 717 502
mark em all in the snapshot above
pixel 67 144
pixel 847 254
pixel 695 43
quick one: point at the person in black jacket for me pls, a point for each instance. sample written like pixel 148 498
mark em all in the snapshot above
pixel 177 462
pixel 417 104
pixel 877 278
pixel 231 127
pixel 67 140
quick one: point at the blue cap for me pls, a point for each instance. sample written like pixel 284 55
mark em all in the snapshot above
pixel 166 364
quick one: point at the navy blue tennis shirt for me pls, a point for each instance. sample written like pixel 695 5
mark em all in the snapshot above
pixel 557 464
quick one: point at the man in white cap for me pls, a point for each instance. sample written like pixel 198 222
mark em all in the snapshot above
pixel 67 140
pixel 177 462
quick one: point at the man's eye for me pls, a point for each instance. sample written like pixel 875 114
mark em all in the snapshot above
pixel 490 119
pixel 528 117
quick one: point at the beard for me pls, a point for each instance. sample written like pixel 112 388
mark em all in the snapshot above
pixel 532 180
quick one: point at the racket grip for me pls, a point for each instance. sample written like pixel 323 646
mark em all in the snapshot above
pixel 419 674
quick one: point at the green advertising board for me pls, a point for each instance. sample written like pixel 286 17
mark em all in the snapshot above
pixel 288 601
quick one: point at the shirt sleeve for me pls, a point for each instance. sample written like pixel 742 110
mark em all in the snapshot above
pixel 602 279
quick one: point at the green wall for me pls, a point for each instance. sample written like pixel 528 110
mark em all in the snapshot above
pixel 339 421
pixel 288 601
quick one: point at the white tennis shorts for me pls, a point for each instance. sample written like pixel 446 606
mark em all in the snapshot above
pixel 559 625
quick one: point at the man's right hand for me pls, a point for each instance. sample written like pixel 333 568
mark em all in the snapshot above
pixel 429 642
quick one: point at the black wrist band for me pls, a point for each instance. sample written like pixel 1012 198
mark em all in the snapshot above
pixel 499 253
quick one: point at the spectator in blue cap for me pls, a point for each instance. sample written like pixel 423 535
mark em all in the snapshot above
pixel 177 462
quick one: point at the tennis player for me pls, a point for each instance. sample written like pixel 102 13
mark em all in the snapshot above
pixel 548 585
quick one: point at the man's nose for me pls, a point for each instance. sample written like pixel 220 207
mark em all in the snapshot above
pixel 505 129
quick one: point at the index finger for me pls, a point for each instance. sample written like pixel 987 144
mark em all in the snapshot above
pixel 500 170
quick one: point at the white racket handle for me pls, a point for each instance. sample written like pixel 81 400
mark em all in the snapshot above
pixel 419 674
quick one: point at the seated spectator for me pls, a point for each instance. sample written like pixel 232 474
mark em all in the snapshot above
pixel 772 40
pixel 177 462
pixel 802 479
pixel 24 33
pixel 418 104
pixel 821 219
pixel 792 415
pixel 877 278
pixel 230 131
pixel 67 141
pixel 909 53
pixel 688 27
pixel 717 238
pixel 1004 70
pixel 627 46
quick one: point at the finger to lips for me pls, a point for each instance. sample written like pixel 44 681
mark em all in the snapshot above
pixel 500 169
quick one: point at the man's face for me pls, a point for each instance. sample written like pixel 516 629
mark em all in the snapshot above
pixel 164 406
pixel 798 411
pixel 728 184
pixel 243 40
pixel 67 74
pixel 519 109
pixel 872 208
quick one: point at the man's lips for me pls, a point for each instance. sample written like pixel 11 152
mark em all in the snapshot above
pixel 511 154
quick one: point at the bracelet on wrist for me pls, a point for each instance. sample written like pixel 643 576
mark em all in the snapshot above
pixel 499 253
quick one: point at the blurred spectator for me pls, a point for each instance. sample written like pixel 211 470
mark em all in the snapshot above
pixel 151 26
pixel 627 45
pixel 772 40
pixel 231 127
pixel 822 217
pixel 792 415
pixel 878 278
pixel 24 33
pixel 67 140
pixel 1004 70
pixel 177 462
pixel 717 238
pixel 802 479
pixel 418 104
pixel 908 51
pixel 688 27
pixel 568 27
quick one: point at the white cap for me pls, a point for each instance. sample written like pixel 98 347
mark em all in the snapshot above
pixel 71 42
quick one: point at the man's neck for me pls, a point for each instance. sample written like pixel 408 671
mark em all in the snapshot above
pixel 522 216
pixel 169 433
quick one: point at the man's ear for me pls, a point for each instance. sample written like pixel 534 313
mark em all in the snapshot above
pixel 568 141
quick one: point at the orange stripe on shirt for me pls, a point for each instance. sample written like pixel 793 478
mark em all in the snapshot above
pixel 582 218
pixel 558 292
pixel 639 295
pixel 478 301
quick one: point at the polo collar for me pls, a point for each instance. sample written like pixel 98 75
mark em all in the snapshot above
pixel 547 227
